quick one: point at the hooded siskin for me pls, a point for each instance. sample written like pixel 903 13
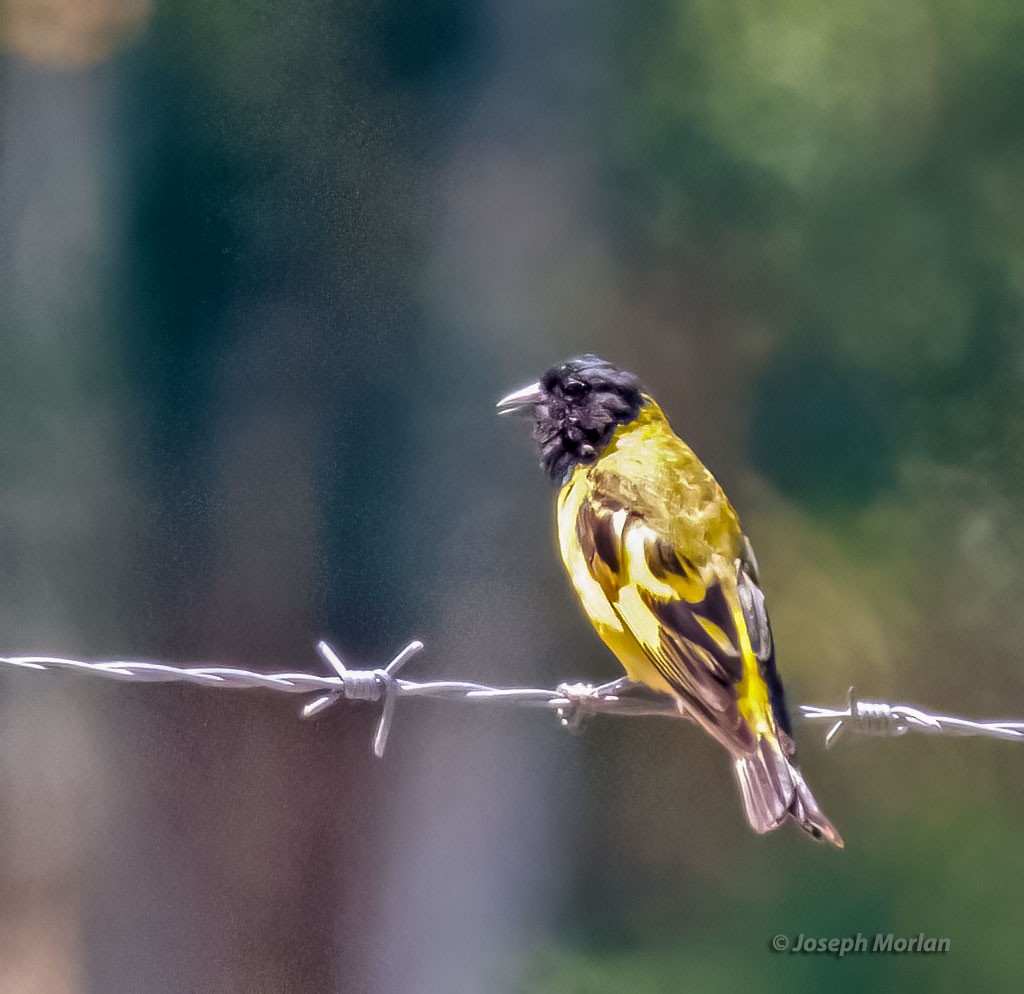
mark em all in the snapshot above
pixel 664 572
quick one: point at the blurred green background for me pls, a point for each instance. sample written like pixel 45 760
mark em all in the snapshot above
pixel 264 270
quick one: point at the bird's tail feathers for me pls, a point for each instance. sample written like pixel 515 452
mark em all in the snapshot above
pixel 774 791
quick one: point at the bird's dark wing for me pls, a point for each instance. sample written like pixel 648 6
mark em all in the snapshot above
pixel 686 627
pixel 759 630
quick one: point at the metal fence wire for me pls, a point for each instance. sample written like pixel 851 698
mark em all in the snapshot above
pixel 572 703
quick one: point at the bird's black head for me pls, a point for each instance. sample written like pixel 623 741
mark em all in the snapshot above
pixel 576 407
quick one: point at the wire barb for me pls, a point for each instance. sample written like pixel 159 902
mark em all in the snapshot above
pixel 365 685
pixel 574 704
pixel 879 718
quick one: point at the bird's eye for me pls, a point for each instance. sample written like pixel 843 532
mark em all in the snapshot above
pixel 575 388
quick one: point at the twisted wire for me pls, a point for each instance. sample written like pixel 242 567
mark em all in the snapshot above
pixel 573 703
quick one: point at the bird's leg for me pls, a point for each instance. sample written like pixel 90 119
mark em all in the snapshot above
pixel 618 688
pixel 640 697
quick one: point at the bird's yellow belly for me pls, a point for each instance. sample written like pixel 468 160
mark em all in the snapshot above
pixel 634 660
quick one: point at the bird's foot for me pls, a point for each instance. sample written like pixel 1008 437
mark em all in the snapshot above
pixel 622 687
pixel 582 701
pixel 579 701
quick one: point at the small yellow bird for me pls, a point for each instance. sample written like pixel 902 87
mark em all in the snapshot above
pixel 663 570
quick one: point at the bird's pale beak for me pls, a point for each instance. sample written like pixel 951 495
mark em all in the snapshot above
pixel 521 401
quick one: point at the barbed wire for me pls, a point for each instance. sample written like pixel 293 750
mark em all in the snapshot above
pixel 573 703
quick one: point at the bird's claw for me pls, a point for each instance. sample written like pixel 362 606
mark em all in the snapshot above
pixel 579 704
